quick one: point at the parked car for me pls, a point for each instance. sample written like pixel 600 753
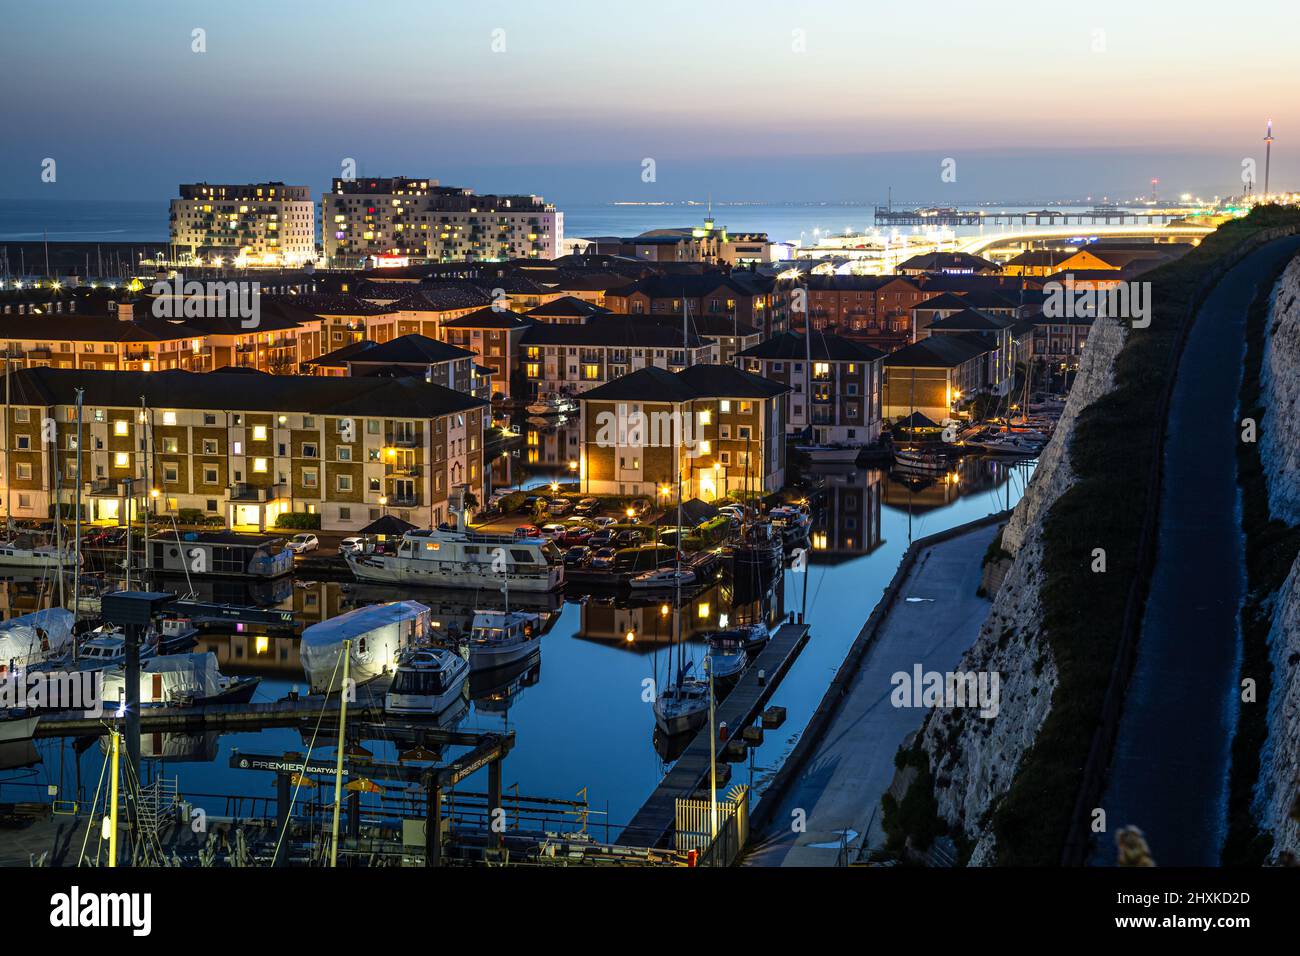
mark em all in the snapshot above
pixel 577 556
pixel 588 506
pixel 575 534
pixel 352 545
pixel 604 522
pixel 640 505
pixel 602 539
pixel 301 543
pixel 527 531
pixel 628 538
pixel 552 531
pixel 559 506
pixel 602 559
pixel 530 504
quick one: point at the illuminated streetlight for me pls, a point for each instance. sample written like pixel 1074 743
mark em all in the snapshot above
pixel 631 635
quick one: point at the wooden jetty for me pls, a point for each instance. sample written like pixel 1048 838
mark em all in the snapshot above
pixel 651 825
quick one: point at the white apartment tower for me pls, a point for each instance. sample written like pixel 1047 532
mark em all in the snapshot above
pixel 255 224
pixel 419 219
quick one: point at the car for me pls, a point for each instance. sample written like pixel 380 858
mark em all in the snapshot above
pixel 352 545
pixel 577 556
pixel 604 522
pixel 575 534
pixel 588 506
pixel 640 506
pixel 602 539
pixel 529 504
pixel 628 538
pixel 527 531
pixel 602 559
pixel 302 543
pixel 552 531
pixel 737 510
pixel 559 506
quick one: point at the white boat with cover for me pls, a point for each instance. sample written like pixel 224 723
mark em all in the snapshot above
pixel 379 633
pixel 16 554
pixel 464 559
pixel 33 639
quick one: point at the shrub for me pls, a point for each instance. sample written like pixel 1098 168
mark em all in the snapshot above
pixel 298 521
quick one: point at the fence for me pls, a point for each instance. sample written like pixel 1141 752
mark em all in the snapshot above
pixel 694 828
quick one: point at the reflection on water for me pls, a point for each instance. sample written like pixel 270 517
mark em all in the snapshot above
pixel 589 723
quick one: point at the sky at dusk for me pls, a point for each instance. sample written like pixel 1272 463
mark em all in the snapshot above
pixel 739 101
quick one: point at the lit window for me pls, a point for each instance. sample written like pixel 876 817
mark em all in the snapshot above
pixel 120 460
pixel 706 417
pixel 724 406
pixel 169 418
pixel 259 433
pixel 120 427
pixel 259 464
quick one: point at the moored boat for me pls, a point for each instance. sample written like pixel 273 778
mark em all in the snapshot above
pixel 683 706
pixel 498 638
pixel 428 681
pixel 665 577
pixel 378 633
pixel 830 453
pixel 727 656
pixel 463 559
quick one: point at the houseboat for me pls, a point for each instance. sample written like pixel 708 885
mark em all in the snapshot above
pixel 180 680
pixel 379 634
pixel 221 554
pixel 463 559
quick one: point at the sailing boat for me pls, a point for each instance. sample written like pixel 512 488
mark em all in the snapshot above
pixel 684 705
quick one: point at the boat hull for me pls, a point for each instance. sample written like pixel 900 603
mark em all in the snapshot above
pixel 681 723
pixel 385 569
pixel 490 658
pixel 18 728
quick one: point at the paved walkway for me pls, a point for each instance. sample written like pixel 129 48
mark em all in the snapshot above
pixel 937 617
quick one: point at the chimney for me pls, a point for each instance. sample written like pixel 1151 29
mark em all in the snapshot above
pixel 125 311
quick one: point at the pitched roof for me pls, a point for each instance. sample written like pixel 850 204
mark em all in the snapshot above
pixel 72 327
pixel 653 384
pixel 970 320
pixel 568 306
pixel 490 318
pixel 939 351
pixel 614 331
pixel 728 381
pixel 940 261
pixel 645 384
pixel 825 347
pixel 379 397
pixel 412 349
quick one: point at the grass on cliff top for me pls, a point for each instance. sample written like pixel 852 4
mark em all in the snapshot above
pixel 1083 612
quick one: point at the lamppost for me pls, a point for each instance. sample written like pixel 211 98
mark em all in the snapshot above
pixel 383 504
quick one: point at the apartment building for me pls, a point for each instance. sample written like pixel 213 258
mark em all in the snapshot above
pixel 715 428
pixel 753 299
pixel 241 445
pixel 838 392
pixel 495 337
pixel 409 355
pixel 935 376
pixel 873 310
pixel 253 224
pixel 571 359
pixel 399 218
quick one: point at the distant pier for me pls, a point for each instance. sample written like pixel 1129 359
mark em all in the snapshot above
pixel 886 216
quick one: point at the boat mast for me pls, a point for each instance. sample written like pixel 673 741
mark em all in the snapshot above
pixel 76 551
pixel 338 767
pixel 9 483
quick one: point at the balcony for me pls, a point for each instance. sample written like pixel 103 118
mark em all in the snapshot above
pixel 403 501
pixel 402 440
pixel 405 471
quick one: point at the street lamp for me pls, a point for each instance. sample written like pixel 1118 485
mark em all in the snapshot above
pixel 383 504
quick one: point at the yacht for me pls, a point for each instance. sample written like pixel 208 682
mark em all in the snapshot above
pixel 834 454
pixel 498 638
pixel 463 559
pixel 907 459
pixel 684 706
pixel 428 681
pixel 727 655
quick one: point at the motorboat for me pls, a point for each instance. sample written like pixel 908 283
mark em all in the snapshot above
pixel 922 462
pixel 665 577
pixel 498 638
pixel 753 637
pixel 727 656
pixel 1012 445
pixel 428 681
pixel 683 706
pixel 181 680
pixel 463 559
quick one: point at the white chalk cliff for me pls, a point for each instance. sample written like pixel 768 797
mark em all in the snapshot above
pixel 974 759
pixel 1278 788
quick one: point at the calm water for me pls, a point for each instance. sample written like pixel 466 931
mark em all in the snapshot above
pixel 23 220
pixel 579 717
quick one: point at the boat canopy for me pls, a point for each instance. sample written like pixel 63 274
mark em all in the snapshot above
pixel 167 678
pixel 33 637
pixel 379 633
